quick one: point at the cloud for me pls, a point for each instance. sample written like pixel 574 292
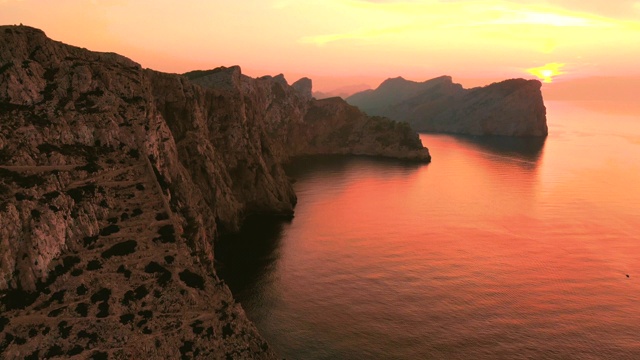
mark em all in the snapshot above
pixel 376 19
pixel 543 18
pixel 617 9
pixel 354 35
pixel 624 9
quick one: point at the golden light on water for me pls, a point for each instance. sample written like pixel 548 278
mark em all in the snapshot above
pixel 547 72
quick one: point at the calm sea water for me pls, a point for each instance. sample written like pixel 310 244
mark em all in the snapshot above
pixel 497 249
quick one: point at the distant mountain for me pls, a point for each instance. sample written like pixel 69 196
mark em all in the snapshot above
pixel 512 107
pixel 343 92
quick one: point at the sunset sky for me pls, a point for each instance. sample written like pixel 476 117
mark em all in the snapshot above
pixel 347 42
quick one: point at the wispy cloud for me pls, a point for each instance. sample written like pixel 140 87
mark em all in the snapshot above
pixel 533 17
pixel 362 34
pixel 379 18
pixel 375 19
pixel 623 9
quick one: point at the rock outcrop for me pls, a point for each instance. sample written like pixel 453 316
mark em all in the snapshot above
pixel 510 108
pixel 116 180
pixel 304 86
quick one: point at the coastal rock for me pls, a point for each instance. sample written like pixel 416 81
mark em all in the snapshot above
pixel 509 108
pixel 227 78
pixel 331 126
pixel 297 125
pixel 304 86
pixel 115 181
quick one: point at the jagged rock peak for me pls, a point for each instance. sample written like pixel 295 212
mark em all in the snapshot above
pixel 278 78
pixel 232 70
pixel 304 86
pixel 221 77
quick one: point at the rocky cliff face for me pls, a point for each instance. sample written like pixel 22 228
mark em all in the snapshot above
pixel 509 108
pixel 298 125
pixel 115 181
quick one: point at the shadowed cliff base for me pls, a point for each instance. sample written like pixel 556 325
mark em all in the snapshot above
pixel 524 148
pixel 116 180
pixel 242 257
pixel 303 166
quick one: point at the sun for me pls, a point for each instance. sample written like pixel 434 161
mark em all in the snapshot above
pixel 547 72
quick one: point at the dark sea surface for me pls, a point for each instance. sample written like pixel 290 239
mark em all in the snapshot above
pixel 498 249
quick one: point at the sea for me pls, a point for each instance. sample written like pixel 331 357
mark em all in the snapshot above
pixel 500 248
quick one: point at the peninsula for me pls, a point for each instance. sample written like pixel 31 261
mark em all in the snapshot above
pixel 508 108
pixel 115 182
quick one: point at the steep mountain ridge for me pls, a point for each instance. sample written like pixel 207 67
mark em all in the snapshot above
pixel 115 181
pixel 396 90
pixel 510 108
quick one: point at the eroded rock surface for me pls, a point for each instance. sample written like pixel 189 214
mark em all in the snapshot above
pixel 115 181
pixel 510 108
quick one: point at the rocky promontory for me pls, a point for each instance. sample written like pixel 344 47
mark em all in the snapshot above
pixel 509 108
pixel 115 181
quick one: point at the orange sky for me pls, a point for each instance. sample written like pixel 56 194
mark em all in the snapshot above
pixel 347 42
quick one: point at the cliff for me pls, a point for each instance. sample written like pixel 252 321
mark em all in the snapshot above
pixel 510 108
pixel 116 180
pixel 297 124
